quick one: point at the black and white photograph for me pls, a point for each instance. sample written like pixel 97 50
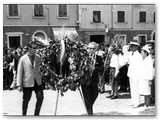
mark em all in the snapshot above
pixel 79 59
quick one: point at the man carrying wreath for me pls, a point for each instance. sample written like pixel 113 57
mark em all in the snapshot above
pixel 90 91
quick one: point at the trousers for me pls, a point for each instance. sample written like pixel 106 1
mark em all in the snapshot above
pixel 135 97
pixel 27 93
pixel 90 94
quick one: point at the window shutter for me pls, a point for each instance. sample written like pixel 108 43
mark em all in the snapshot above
pixel 63 10
pixel 13 10
pixel 41 10
pixel 36 10
pixel 10 10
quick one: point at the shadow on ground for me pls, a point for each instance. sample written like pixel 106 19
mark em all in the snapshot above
pixel 149 111
pixel 112 113
pixel 124 96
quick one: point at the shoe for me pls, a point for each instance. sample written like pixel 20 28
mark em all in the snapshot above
pixel 102 91
pixel 90 114
pixel 109 96
pixel 145 107
pixel 114 97
pixel 130 105
pixel 120 90
pixel 135 106
pixel 10 88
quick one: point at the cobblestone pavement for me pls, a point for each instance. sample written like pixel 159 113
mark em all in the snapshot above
pixel 72 104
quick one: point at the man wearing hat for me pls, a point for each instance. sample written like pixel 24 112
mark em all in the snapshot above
pixel 133 72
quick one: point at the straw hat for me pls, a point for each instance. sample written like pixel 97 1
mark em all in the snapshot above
pixel 134 43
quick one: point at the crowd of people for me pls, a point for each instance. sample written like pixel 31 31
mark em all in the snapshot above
pixel 10 63
pixel 124 68
pixel 129 68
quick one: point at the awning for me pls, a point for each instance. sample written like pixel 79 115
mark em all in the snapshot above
pixel 61 33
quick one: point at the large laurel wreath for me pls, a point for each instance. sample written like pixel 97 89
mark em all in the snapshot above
pixel 79 65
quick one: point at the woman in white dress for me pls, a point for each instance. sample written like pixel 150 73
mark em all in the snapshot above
pixel 145 75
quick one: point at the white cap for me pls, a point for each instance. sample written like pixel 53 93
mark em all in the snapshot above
pixel 134 43
pixel 146 48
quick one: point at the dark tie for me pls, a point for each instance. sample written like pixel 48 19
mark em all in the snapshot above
pixel 32 59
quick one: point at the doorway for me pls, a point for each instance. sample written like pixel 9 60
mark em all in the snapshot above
pixel 14 41
pixel 97 38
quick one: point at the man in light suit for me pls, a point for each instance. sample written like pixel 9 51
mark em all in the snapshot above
pixel 29 78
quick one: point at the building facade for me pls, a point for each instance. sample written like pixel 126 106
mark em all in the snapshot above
pixel 21 22
pixel 99 23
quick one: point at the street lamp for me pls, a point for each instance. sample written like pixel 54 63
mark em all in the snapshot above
pixel 106 28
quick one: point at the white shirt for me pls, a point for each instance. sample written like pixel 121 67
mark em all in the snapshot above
pixel 100 53
pixel 125 48
pixel 134 65
pixel 123 59
pixel 114 62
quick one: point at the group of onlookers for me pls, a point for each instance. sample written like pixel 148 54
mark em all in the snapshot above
pixel 10 62
pixel 129 68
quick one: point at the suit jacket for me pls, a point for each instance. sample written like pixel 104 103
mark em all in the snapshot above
pixel 28 73
pixel 98 69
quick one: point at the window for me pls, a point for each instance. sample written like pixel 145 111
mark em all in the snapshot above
pixel 97 38
pixel 13 10
pixel 142 16
pixel 39 34
pixel 96 16
pixel 142 39
pixel 38 10
pixel 121 16
pixel 14 39
pixel 62 10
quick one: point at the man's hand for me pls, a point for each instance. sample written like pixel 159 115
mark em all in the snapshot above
pixel 20 89
pixel 150 83
pixel 92 67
